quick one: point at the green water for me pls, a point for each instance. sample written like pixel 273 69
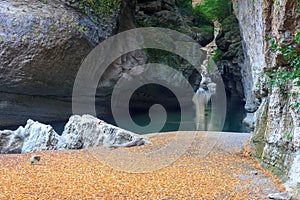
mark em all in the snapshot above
pixel 233 122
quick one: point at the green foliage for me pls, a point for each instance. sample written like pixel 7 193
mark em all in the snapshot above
pixel 164 57
pixel 215 9
pixel 289 72
pixel 207 28
pixel 298 37
pixel 277 2
pixel 217 54
pixel 281 76
pixel 200 18
pixel 288 136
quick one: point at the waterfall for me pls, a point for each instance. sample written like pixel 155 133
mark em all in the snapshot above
pixel 207 86
pixel 201 99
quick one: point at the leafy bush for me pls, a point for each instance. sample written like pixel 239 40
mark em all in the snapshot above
pixel 200 18
pixel 215 9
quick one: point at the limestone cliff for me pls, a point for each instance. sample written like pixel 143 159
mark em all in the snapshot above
pixel 276 139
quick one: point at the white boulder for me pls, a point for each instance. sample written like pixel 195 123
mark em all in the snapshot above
pixel 85 131
pixel 80 132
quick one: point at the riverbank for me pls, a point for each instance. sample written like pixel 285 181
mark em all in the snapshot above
pixel 224 173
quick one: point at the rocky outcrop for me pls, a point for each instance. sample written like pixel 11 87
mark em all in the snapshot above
pixel 276 135
pixel 80 132
pixel 43 43
pixel 167 14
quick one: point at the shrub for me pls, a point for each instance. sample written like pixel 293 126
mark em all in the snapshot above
pixel 215 9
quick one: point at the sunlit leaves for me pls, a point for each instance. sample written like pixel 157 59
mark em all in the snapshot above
pixel 78 175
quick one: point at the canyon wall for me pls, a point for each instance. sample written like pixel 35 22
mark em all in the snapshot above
pixel 276 139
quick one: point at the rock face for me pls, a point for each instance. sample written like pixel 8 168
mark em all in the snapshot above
pixel 80 132
pixel 276 135
pixel 42 45
pixel 230 58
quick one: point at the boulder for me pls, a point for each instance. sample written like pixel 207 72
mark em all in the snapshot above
pixel 43 44
pixel 38 137
pixel 86 131
pixel 80 132
pixel 11 141
pixel 31 138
